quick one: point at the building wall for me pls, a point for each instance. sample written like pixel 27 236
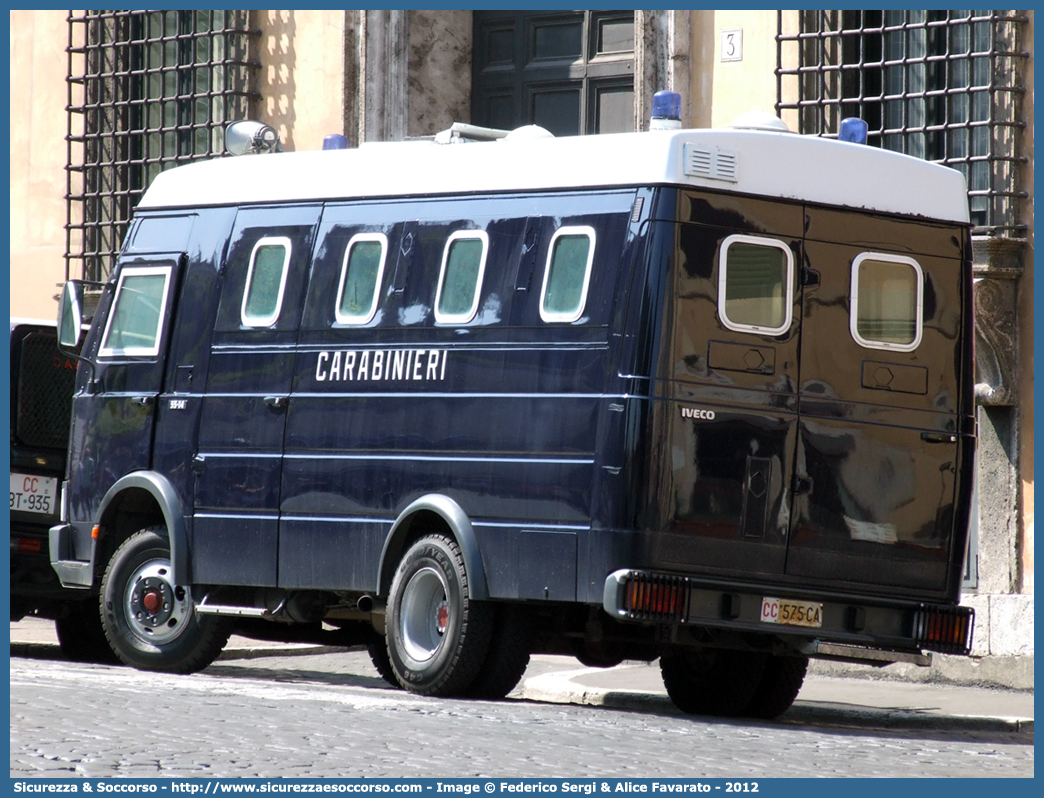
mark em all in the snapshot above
pixel 749 85
pixel 439 75
pixel 1026 329
pixel 38 155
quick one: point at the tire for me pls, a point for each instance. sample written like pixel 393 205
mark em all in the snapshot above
pixel 779 686
pixel 378 651
pixel 718 682
pixel 438 637
pixel 599 655
pixel 81 636
pixel 508 655
pixel 150 622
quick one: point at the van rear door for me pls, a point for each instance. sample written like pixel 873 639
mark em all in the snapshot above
pixel 732 410
pixel 881 362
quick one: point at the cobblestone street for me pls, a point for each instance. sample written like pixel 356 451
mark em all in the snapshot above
pixel 330 715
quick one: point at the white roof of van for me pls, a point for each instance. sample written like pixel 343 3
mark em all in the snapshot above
pixel 754 162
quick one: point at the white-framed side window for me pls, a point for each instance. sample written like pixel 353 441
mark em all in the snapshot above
pixel 755 285
pixel 887 310
pixel 460 279
pixel 265 282
pixel 567 275
pixel 361 275
pixel 136 320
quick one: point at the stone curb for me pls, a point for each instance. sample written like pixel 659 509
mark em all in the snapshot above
pixel 292 650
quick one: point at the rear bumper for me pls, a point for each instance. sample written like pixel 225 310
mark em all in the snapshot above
pixel 34 585
pixel 854 623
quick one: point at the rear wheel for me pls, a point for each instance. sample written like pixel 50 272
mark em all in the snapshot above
pixel 508 655
pixel 438 636
pixel 711 681
pixel 779 686
pixel 378 651
pixel 81 636
pixel 150 621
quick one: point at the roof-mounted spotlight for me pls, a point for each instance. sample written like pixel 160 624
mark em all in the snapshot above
pixel 248 136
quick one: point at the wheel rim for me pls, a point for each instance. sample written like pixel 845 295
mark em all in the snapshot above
pixel 425 614
pixel 157 610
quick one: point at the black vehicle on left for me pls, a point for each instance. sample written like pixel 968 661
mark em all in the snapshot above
pixel 42 382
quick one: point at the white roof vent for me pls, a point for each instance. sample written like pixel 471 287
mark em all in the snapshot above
pixel 716 164
pixel 760 120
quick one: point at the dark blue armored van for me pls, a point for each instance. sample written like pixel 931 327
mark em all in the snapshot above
pixel 701 395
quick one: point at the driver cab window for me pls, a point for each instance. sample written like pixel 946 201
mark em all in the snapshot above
pixel 136 319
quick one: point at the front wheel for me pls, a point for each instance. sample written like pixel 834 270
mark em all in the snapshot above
pixel 438 636
pixel 81 636
pixel 150 621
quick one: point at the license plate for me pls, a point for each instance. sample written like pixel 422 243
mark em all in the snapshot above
pixel 33 494
pixel 791 613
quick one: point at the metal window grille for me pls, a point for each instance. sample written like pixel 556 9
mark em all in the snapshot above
pixel 147 90
pixel 941 85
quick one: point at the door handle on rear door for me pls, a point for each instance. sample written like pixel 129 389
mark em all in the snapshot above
pixel 939 437
pixel 277 402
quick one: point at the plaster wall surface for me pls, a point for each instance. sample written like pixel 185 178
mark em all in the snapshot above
pixel 38 155
pixel 302 76
pixel 747 85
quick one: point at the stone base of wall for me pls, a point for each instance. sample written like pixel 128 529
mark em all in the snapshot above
pixel 1012 673
pixel 1002 651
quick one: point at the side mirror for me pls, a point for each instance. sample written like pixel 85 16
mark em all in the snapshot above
pixel 76 308
pixel 70 315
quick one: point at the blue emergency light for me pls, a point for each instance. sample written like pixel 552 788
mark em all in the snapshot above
pixel 853 129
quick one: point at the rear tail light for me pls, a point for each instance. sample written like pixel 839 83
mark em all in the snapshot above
pixel 947 630
pixel 29 546
pixel 656 597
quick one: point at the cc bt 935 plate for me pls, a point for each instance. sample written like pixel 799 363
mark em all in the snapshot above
pixel 33 494
pixel 788 612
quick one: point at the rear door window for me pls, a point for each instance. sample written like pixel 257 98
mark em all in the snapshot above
pixel 887 296
pixel 755 285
